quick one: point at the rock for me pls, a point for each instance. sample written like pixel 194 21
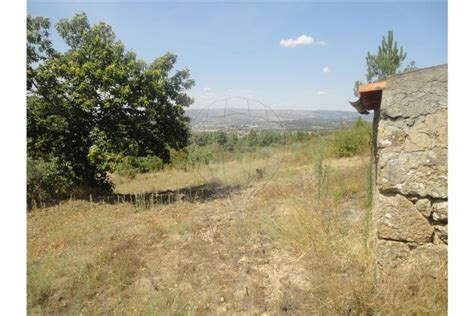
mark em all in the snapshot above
pixel 433 259
pixel 410 210
pixel 415 93
pixel 428 132
pixel 442 232
pixel 424 206
pixel 389 135
pixel 391 254
pixel 440 212
pixel 437 240
pixel 422 173
pixel 398 219
pixel 412 134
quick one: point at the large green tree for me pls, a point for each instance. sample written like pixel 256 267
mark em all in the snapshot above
pixel 96 100
pixel 386 62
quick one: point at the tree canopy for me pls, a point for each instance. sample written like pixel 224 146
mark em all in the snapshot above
pixel 96 101
pixel 386 62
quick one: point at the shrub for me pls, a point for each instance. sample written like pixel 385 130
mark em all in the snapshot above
pixel 352 141
pixel 200 155
pixel 179 159
pixel 127 166
pixel 150 164
pixel 130 166
pixel 48 180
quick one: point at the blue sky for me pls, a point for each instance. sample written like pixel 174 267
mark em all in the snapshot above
pixel 236 49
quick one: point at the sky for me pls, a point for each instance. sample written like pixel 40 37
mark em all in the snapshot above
pixel 303 56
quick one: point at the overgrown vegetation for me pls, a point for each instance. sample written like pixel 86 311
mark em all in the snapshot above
pixel 299 241
pixel 48 179
pixel 336 242
pixel 131 166
pixel 204 149
pixel 354 140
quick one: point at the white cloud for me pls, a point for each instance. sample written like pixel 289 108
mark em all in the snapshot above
pixel 321 92
pixel 327 70
pixel 302 40
pixel 292 42
pixel 206 89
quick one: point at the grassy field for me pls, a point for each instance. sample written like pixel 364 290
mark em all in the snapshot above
pixel 293 238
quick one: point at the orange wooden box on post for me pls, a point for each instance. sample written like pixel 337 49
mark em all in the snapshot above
pixel 370 97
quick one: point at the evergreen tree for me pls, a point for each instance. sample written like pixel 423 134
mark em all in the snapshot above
pixel 386 62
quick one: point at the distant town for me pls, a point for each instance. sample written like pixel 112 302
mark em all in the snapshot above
pixel 241 119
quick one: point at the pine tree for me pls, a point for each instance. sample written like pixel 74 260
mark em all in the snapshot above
pixel 386 62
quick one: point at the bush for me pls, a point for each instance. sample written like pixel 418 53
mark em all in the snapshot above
pixel 150 164
pixel 130 166
pixel 354 140
pixel 48 180
pixel 179 159
pixel 200 155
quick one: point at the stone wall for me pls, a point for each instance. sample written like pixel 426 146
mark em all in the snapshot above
pixel 410 198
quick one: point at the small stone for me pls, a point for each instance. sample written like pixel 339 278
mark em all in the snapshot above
pixel 424 206
pixel 440 212
pixel 442 232
pixel 222 299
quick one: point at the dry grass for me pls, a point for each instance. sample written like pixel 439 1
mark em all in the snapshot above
pixel 271 247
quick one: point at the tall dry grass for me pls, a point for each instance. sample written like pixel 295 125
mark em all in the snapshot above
pixel 97 258
pixel 329 227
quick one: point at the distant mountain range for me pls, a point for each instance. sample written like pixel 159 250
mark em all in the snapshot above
pixel 266 119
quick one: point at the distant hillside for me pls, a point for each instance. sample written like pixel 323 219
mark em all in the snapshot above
pixel 267 119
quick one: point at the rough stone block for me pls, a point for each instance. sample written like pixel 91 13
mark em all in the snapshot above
pixel 415 93
pixel 389 134
pixel 391 254
pixel 398 219
pixel 428 132
pixel 422 173
pixel 433 259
